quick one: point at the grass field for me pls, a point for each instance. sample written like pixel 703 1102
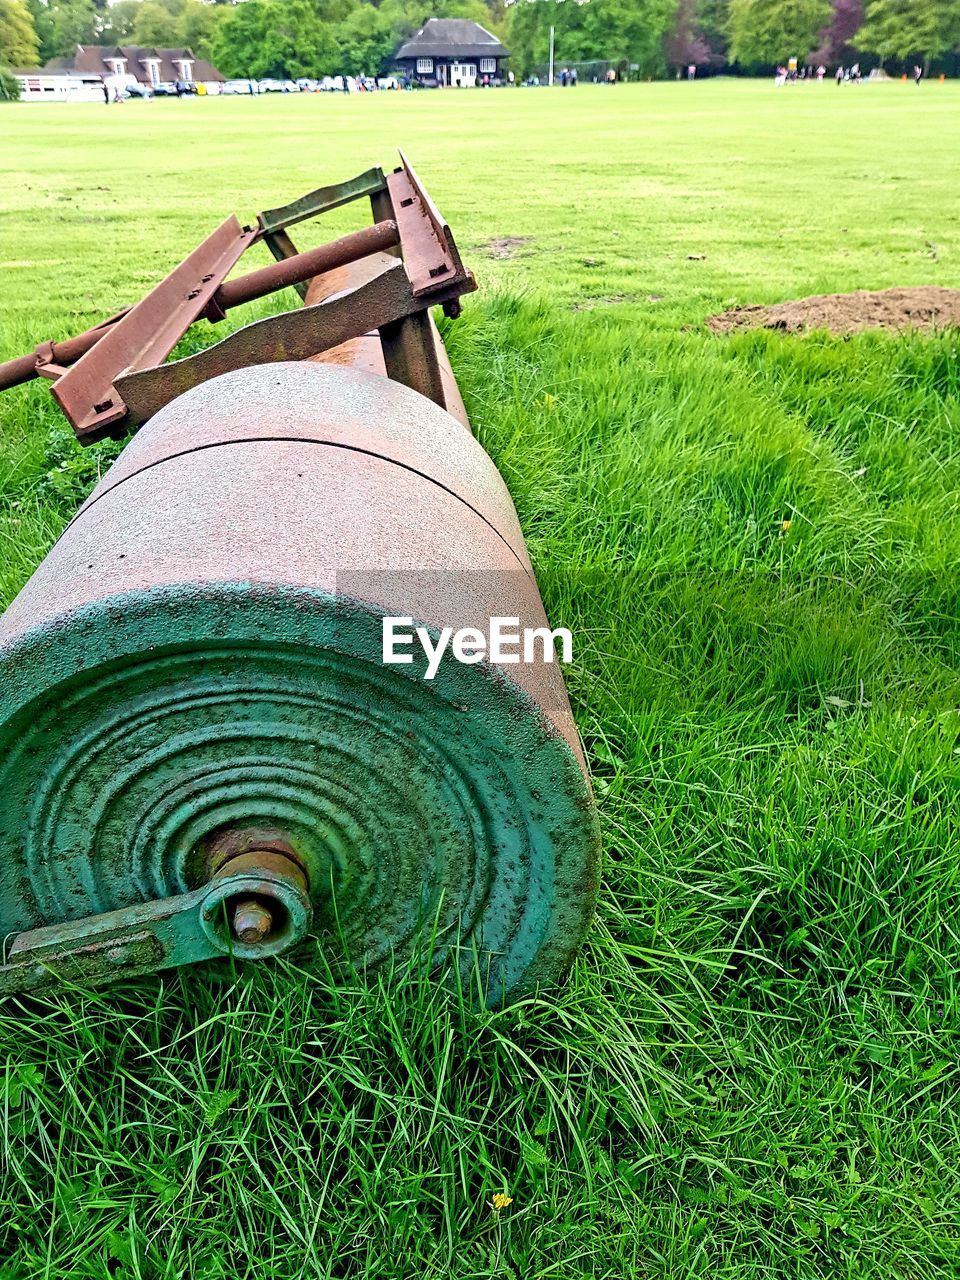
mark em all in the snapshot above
pixel 753 1069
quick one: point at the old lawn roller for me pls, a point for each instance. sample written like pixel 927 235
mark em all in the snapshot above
pixel 202 748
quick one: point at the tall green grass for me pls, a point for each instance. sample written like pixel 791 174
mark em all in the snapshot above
pixel 752 1070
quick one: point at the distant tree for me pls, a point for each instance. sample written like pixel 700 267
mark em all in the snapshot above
pixel 764 32
pixel 684 45
pixel 63 24
pixel 9 86
pixel 281 38
pixel 302 44
pixel 156 22
pixel 187 24
pixel 713 20
pixel 366 38
pixel 630 32
pixel 117 21
pixel 624 32
pixel 474 10
pixel 198 26
pixel 836 39
pixel 330 11
pixel 237 51
pixel 19 46
pixel 910 28
pixel 525 31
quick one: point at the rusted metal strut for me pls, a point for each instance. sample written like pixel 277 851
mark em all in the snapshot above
pixel 51 358
pixel 94 372
pixel 254 905
pixel 304 266
pixel 386 303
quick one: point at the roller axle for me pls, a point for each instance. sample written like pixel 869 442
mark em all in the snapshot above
pixel 264 894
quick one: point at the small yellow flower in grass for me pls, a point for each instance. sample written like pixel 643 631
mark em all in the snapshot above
pixel 500 1201
pixel 785 525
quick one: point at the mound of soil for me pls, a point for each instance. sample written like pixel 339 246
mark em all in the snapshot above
pixel 895 309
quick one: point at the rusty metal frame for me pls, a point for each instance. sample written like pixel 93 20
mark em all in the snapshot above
pixel 385 303
pixel 112 377
pixel 273 223
pixel 149 331
pixel 426 241
pixel 320 201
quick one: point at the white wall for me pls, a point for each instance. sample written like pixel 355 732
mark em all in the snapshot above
pixel 60 88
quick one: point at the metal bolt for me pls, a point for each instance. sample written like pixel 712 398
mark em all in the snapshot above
pixel 252 922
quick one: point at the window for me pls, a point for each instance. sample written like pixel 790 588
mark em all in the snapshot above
pixel 118 66
pixel 186 69
pixel 153 70
pixel 424 66
pixel 488 66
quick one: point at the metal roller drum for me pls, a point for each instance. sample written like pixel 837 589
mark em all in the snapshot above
pixel 198 661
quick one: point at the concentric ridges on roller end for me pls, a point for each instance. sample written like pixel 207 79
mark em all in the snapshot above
pixel 271 709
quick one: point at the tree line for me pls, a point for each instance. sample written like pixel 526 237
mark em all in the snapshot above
pixel 652 38
pixel 643 38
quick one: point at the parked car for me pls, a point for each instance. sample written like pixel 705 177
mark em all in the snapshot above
pixel 240 86
pixel 168 88
pixel 134 89
pixel 336 84
pixel 306 85
pixel 387 82
pixel 277 86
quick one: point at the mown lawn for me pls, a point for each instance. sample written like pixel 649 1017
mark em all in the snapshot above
pixel 753 1069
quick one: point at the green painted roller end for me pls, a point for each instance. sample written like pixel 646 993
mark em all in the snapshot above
pixel 448 814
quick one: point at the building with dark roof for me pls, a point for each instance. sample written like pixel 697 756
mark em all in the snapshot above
pixel 149 66
pixel 452 51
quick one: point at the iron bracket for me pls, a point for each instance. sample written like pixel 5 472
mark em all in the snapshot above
pixel 148 332
pixel 292 335
pixel 320 201
pixel 426 241
pixel 152 935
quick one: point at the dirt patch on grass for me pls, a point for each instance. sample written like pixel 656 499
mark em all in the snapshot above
pixel 894 309
pixel 505 246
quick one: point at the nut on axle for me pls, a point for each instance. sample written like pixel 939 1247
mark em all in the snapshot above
pixel 252 921
pixel 258 902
